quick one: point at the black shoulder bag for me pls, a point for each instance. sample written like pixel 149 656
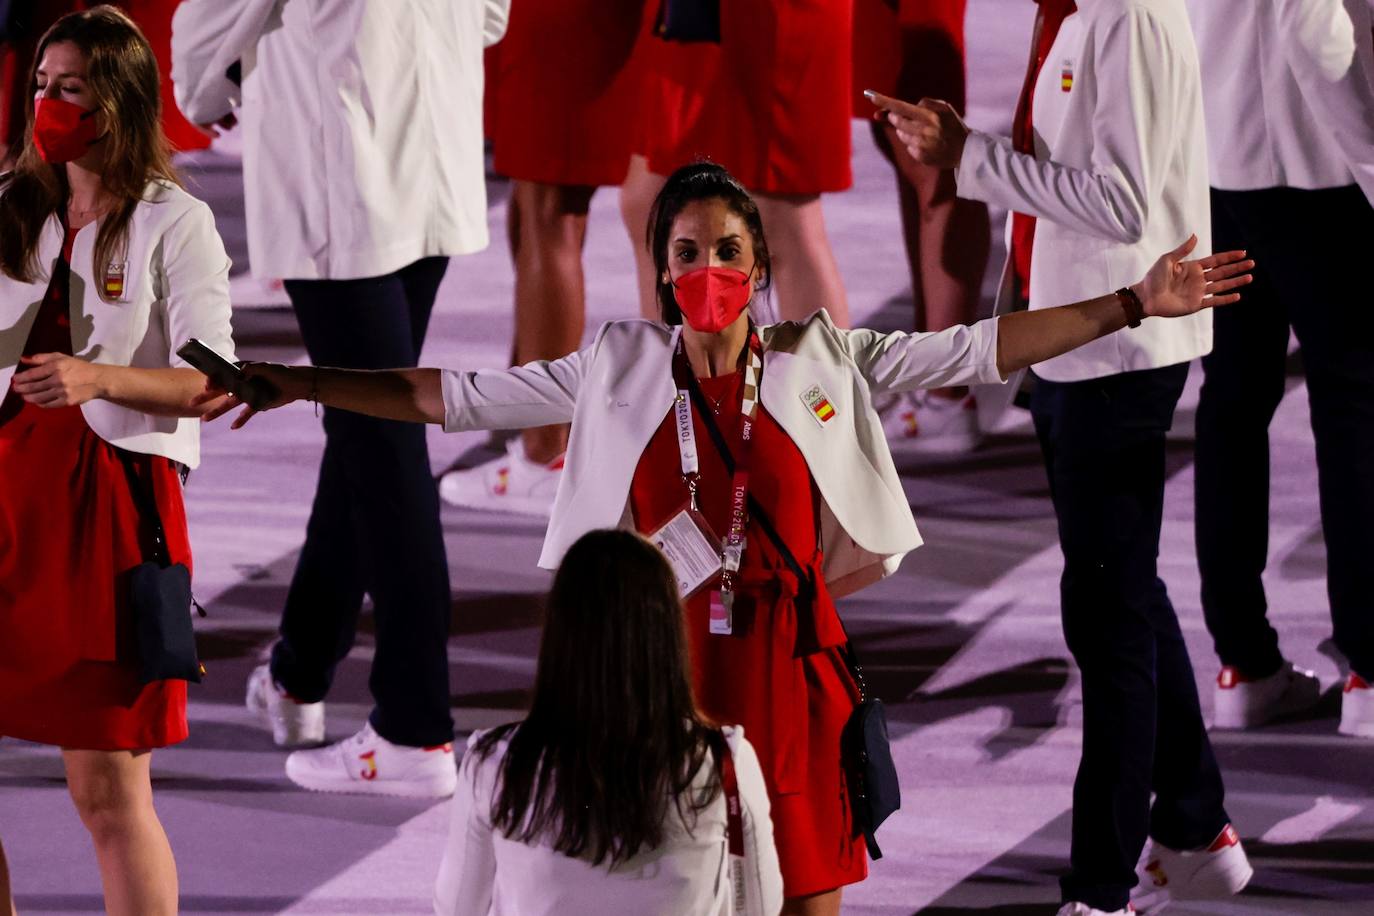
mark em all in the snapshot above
pixel 865 749
pixel 688 20
pixel 160 598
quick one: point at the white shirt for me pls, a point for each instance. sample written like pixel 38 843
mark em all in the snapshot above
pixel 1289 90
pixel 617 391
pixel 486 874
pixel 176 286
pixel 1119 174
pixel 362 125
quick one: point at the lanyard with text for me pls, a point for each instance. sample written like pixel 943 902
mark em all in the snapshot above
pixel 732 551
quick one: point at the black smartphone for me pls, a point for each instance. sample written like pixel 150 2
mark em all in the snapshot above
pixel 255 392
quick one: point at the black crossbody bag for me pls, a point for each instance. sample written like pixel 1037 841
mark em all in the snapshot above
pixel 688 20
pixel 865 750
pixel 160 598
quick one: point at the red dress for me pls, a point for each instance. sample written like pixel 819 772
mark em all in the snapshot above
pixel 562 90
pixel 910 52
pixel 69 535
pixel 779 675
pixel 770 102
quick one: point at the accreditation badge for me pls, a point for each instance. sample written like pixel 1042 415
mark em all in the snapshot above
pixel 691 547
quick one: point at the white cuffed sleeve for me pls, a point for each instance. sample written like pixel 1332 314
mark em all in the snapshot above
pixel 208 37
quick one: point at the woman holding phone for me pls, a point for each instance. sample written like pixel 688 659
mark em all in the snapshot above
pixel 822 511
pixel 106 265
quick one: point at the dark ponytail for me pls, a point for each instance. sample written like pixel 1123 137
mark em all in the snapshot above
pixel 699 181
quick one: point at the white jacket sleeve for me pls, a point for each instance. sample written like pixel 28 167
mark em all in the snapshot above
pixel 496 16
pixel 1135 71
pixel 208 37
pixel 961 355
pixel 1326 44
pixel 467 872
pixel 762 874
pixel 540 393
pixel 191 273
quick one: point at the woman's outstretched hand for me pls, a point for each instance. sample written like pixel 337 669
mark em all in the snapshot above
pixel 291 382
pixel 1175 287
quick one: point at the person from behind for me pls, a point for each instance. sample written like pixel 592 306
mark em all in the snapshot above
pixel 613 795
pixel 1294 187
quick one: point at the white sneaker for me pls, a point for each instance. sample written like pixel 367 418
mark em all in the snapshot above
pixel 1078 908
pixel 368 764
pixel 294 724
pixel 1244 703
pixel 1357 708
pixel 931 423
pixel 1220 869
pixel 898 415
pixel 510 483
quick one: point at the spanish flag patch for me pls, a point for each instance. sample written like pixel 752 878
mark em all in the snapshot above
pixel 114 281
pixel 1066 76
pixel 819 404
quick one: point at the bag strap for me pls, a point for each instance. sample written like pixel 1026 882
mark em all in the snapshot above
pixel 146 502
pixel 756 512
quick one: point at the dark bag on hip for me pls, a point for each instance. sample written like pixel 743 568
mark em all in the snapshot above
pixel 160 598
pixel 688 20
pixel 865 750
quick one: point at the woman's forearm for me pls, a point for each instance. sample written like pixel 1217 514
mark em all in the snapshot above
pixel 1026 338
pixel 412 395
pixel 160 392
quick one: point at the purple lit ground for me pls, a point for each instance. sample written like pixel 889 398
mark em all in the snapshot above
pixel 964 642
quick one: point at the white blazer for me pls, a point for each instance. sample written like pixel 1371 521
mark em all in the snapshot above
pixel 1119 174
pixel 362 125
pixel 617 391
pixel 483 873
pixel 176 286
pixel 1289 89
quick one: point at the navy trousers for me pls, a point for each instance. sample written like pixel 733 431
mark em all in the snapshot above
pixel 1297 239
pixel 1103 445
pixel 374 528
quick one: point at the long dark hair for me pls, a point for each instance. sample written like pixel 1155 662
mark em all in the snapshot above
pixel 613 736
pixel 699 181
pixel 122 73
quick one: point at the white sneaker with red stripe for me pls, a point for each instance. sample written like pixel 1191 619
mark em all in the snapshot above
pixel 368 764
pixel 510 483
pixel 929 422
pixel 293 723
pixel 1077 908
pixel 1242 702
pixel 1357 708
pixel 1220 869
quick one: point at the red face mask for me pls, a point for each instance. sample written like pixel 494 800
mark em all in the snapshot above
pixel 711 298
pixel 62 131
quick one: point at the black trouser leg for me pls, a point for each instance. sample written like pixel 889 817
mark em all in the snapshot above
pixel 1103 442
pixel 1295 236
pixel 1242 385
pixel 375 524
pixel 1334 324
